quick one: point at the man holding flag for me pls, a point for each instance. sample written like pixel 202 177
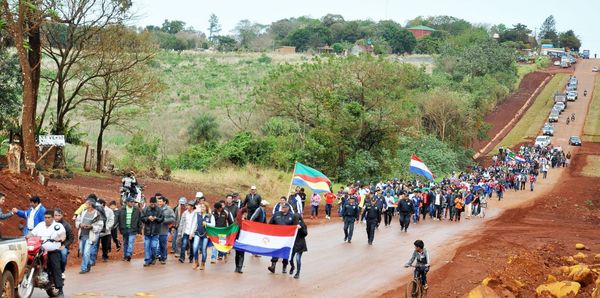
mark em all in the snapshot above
pixel 418 167
pixel 283 217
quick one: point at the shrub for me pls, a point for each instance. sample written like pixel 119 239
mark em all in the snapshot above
pixel 142 152
pixel 204 128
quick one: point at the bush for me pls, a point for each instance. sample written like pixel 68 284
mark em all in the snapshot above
pixel 264 59
pixel 142 152
pixel 204 128
pixel 360 166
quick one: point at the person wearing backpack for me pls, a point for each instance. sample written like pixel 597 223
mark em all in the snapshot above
pixel 101 212
pixel 252 200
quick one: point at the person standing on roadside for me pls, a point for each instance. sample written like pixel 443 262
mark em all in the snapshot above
pixel 89 224
pixel 114 232
pixel 283 217
pixel 350 213
pixel 152 217
pixel 315 200
pixel 186 229
pixel 66 245
pixel 105 236
pixel 165 226
pixel 33 216
pixel 299 248
pixel 371 213
pixel 203 219
pixel 329 198
pixel 405 209
pixel 130 225
pixel 252 200
pixel 175 236
pixel 7 215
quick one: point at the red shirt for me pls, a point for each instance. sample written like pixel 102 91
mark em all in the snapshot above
pixel 329 197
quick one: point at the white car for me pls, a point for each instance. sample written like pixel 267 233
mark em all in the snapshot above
pixel 542 141
pixel 595 69
pixel 560 105
pixel 572 95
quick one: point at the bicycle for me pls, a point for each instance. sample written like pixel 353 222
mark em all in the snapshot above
pixel 418 290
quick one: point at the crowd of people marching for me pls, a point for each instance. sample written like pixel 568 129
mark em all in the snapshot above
pixel 100 224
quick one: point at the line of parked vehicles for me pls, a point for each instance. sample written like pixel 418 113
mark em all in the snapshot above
pixel 560 105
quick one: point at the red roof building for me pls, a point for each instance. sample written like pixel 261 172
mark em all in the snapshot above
pixel 421 31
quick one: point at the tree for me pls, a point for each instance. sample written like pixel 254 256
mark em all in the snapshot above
pixel 121 93
pixel 445 115
pixel 204 128
pixel 247 32
pixel 10 90
pixel 401 40
pixel 569 40
pixel 330 19
pixel 23 20
pixel 213 27
pixel 519 34
pixel 173 27
pixel 226 43
pixel 548 30
pixel 85 20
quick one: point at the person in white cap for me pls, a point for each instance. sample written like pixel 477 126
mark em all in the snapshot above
pixel 252 200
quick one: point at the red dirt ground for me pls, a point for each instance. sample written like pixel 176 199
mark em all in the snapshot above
pixel 502 114
pixel 527 244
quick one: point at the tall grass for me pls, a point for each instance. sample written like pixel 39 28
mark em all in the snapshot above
pixel 591 130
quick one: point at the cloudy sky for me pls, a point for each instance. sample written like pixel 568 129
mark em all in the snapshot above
pixel 578 15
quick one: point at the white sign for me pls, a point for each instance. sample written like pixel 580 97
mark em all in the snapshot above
pixel 49 140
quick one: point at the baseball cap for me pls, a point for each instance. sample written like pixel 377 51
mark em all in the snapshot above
pixel 253 187
pixel 182 200
pixel 199 194
pixel 264 202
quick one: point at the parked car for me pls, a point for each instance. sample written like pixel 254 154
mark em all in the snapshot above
pixel 595 69
pixel 572 95
pixel 13 260
pixel 542 141
pixel 575 141
pixel 553 116
pixel 561 106
pixel 548 129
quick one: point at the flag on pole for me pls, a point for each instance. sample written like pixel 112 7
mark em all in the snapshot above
pixel 222 238
pixel 266 240
pixel 311 178
pixel 418 167
pixel 516 157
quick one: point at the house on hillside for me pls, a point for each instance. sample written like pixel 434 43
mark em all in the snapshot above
pixel 358 49
pixel 325 50
pixel 285 50
pixel 421 31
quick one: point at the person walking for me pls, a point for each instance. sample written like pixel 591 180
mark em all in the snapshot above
pixel 260 214
pixel 252 200
pixel 299 248
pixel 283 217
pixel 222 219
pixel 203 218
pixel 532 180
pixel 165 227
pixel 105 235
pixel 389 209
pixel 295 200
pixel 482 206
pixel 33 216
pixel 458 206
pixel 282 201
pixel 114 232
pixel 239 254
pixel 350 214
pixel 315 200
pixel 152 217
pixel 329 198
pixel 130 225
pixel 468 200
pixel 89 224
pixel 371 213
pixel 405 209
pixel 66 244
pixel 175 236
pixel 186 230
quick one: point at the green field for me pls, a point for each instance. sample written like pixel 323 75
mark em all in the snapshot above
pixel 528 127
pixel 591 130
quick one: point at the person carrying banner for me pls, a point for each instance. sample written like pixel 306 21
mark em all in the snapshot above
pixel 283 217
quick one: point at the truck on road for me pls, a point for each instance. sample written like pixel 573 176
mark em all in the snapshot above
pixel 585 54
pixel 13 261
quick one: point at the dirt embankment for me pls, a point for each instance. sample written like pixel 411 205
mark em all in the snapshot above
pixel 522 247
pixel 503 113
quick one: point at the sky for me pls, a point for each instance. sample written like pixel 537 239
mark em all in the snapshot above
pixel 579 16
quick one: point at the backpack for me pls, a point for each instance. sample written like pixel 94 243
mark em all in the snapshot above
pixel 103 217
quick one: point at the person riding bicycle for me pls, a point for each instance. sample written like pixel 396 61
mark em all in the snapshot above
pixel 421 255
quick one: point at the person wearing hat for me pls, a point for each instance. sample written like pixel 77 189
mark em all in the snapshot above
pixel 89 224
pixel 186 229
pixel 130 225
pixel 175 238
pixel 260 214
pixel 252 200
pixel 283 217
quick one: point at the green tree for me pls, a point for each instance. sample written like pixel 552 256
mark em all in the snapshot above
pixel 518 34
pixel 213 27
pixel 172 27
pixel 10 90
pixel 203 129
pixel 226 43
pixel 247 32
pixel 569 40
pixel 400 40
pixel 548 30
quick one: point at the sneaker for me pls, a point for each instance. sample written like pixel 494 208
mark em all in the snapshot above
pixel 163 262
pixel 83 272
pixel 425 287
pixel 63 276
pixel 181 261
pixel 146 264
pixel 128 259
pixel 153 262
pixel 212 261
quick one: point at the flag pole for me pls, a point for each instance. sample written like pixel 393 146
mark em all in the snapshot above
pixel 291 182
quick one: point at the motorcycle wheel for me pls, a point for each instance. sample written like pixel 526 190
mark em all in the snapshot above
pixel 52 292
pixel 25 289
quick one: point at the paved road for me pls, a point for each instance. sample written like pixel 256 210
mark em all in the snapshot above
pixel 331 267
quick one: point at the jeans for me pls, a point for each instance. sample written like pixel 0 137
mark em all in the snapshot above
pixel 314 210
pixel 348 227
pixel 63 259
pixel 150 245
pixel 94 252
pixel 174 240
pixel 200 243
pixel 85 248
pixel 416 214
pixel 215 253
pixel 298 263
pixel 162 247
pixel 328 209
pixel 186 244
pixel 128 241
pixel 422 271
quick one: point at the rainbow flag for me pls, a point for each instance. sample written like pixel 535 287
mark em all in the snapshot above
pixel 222 238
pixel 311 178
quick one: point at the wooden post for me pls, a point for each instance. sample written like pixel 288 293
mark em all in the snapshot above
pixel 85 159
pixel 92 159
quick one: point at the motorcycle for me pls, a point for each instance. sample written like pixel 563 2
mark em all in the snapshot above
pixel 36 272
pixel 126 193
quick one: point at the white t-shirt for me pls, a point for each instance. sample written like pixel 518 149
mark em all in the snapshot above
pixel 30 219
pixel 55 232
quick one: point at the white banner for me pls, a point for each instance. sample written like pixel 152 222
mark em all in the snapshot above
pixel 49 140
